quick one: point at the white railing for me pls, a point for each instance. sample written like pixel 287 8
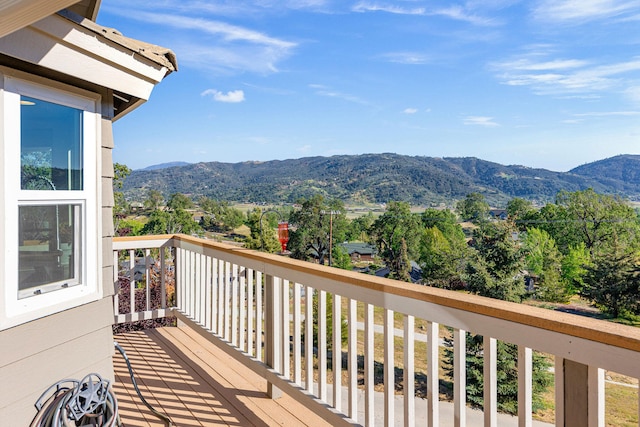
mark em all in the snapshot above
pixel 255 305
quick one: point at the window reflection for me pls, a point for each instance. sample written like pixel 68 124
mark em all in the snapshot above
pixel 48 246
pixel 51 146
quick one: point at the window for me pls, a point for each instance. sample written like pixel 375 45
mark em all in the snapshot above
pixel 50 199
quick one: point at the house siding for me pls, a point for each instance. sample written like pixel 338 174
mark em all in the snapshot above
pixel 69 344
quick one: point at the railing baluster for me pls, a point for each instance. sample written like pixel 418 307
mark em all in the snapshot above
pixel 490 373
pixel 409 372
pixel 197 287
pixel 596 397
pixel 308 338
pixel 234 305
pixel 227 301
pixel 286 346
pixel 202 287
pixel 213 283
pixel 297 335
pixel 368 365
pixel 273 333
pixel 322 345
pixel 250 312
pixel 525 386
pixel 116 281
pixel 433 347
pixel 259 316
pixel 147 280
pixel 220 281
pixel 459 378
pixel 352 318
pixel 337 352
pixel 389 368
pixel 243 309
pixel 132 281
pixel 208 291
pixel 163 277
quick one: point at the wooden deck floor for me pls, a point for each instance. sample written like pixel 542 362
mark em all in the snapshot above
pixel 196 384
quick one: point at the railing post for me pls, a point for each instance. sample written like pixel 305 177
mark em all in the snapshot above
pixel 583 388
pixel 272 331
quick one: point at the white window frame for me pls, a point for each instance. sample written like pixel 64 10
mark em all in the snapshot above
pixel 13 309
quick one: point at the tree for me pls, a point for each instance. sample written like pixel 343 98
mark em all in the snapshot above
pixel 507 373
pixel 154 200
pixel 520 212
pixel 179 201
pixel 613 284
pixel 442 258
pixel 262 236
pixel 314 225
pixel 473 208
pixel 494 269
pixel 396 234
pixel 359 227
pixel 220 215
pixel 171 222
pixel 544 260
pixel 574 265
pixel 601 221
pixel 120 205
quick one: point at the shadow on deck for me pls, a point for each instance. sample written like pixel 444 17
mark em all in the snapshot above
pixel 196 384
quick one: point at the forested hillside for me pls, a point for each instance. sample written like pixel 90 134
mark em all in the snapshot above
pixel 379 178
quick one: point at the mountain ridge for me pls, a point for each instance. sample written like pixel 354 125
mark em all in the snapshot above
pixel 379 178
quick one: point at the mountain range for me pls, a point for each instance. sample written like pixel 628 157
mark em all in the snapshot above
pixel 379 178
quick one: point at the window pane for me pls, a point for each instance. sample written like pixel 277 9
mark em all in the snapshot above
pixel 50 146
pixel 48 248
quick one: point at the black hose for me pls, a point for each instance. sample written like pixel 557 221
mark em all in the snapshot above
pixel 167 421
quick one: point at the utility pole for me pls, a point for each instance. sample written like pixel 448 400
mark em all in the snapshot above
pixel 331 213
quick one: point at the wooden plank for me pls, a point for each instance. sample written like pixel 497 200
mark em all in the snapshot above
pixel 247 388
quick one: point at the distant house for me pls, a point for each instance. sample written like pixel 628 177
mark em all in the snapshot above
pixel 360 252
pixel 498 214
pixel 415 273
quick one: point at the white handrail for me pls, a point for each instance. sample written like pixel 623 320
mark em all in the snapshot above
pixel 221 289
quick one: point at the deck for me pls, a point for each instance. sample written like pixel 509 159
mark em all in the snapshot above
pixel 196 384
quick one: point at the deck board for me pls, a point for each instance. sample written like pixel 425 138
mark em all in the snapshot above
pixel 196 384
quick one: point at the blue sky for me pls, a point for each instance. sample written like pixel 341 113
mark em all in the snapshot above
pixel 541 83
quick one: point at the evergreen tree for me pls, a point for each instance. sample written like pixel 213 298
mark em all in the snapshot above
pixel 507 374
pixel 495 268
pixel 613 284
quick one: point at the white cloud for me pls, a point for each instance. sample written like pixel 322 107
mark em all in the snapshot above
pixel 480 121
pixel 583 10
pixel 633 93
pixel 410 110
pixel 608 114
pixel 232 96
pixel 410 58
pixel 214 45
pixel 368 6
pixel 455 12
pixel 328 92
pixel 566 76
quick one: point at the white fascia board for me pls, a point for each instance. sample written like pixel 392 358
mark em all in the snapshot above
pixel 59 44
pixel 16 14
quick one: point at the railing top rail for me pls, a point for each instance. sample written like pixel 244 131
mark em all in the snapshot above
pixel 608 333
